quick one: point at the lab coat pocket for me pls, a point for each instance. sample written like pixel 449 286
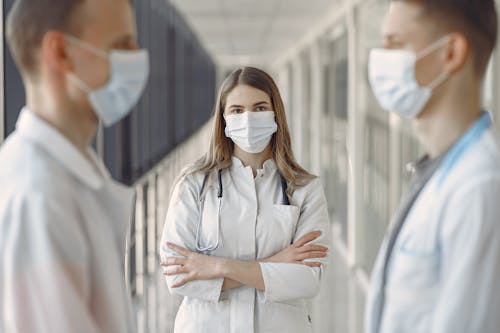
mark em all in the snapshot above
pixel 285 219
pixel 290 316
pixel 196 316
pixel 416 272
pixel 411 290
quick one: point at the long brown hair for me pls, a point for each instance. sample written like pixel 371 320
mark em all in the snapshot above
pixel 221 147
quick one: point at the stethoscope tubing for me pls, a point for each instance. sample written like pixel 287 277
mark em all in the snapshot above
pixel 220 194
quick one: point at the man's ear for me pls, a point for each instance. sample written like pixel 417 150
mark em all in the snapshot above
pixel 54 52
pixel 457 53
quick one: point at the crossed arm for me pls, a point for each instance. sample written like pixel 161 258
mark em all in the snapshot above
pixel 293 273
pixel 237 273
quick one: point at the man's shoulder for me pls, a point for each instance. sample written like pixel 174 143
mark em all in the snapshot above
pixel 27 168
pixel 481 161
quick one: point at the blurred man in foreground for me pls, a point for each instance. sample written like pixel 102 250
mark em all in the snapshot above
pixel 439 267
pixel 63 221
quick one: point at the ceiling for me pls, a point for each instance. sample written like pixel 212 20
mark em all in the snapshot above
pixel 241 32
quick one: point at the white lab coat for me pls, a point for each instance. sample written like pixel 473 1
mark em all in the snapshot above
pixel 254 224
pixel 63 226
pixel 444 274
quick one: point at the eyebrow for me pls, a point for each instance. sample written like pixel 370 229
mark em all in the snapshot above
pixel 235 106
pixel 261 103
pixel 256 104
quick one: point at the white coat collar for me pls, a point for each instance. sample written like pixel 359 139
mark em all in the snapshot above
pixel 29 125
pixel 268 165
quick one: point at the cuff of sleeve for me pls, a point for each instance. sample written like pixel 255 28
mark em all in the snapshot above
pixel 206 290
pixel 209 290
pixel 285 282
pixel 214 296
pixel 268 282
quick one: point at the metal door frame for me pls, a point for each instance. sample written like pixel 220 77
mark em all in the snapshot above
pixel 2 79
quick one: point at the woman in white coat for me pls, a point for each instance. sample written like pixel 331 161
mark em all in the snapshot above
pixel 246 229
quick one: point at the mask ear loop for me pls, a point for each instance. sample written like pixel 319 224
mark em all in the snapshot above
pixel 427 51
pixel 87 46
pixel 438 81
pixel 433 47
pixel 79 82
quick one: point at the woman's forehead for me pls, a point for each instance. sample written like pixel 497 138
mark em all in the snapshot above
pixel 246 95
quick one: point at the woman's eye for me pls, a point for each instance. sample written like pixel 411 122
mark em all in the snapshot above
pixel 261 108
pixel 238 111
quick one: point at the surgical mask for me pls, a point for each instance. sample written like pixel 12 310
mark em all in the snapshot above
pixel 393 80
pixel 129 71
pixel 251 131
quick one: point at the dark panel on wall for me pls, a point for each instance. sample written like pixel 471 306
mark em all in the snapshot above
pixel 14 89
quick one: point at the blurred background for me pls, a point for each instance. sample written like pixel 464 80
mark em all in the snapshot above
pixel 317 52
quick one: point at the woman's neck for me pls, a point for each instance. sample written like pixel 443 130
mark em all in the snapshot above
pixel 255 161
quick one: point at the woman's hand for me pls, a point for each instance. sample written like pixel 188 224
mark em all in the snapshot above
pixel 297 252
pixel 202 267
pixel 196 266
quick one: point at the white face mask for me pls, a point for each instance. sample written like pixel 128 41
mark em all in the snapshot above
pixel 251 131
pixel 128 76
pixel 392 78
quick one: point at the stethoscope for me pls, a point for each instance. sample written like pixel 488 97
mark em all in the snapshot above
pixel 220 193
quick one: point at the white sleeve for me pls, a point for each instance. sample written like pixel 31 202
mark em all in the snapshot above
pixel 180 229
pixel 469 299
pixel 285 281
pixel 45 265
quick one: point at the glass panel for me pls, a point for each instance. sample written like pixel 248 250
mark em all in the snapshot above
pixel 306 110
pixel 334 134
pixel 376 143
